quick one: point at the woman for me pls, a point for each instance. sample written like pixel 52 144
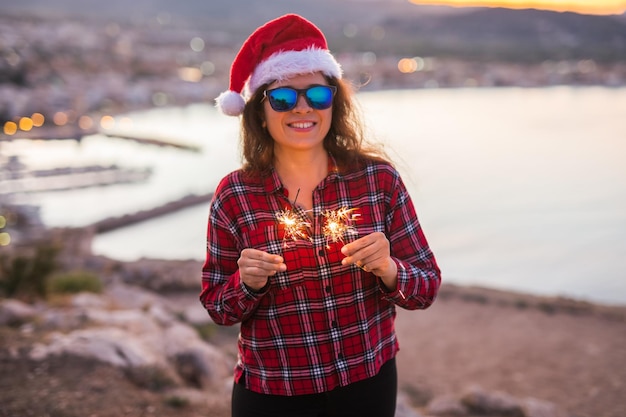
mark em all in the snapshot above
pixel 314 242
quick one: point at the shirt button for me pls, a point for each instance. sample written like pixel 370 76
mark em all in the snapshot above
pixel 321 252
pixel 340 356
pixel 334 323
pixel 327 289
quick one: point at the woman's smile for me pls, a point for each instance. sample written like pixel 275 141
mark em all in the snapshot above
pixel 301 125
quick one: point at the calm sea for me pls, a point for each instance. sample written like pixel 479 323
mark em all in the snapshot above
pixel 520 189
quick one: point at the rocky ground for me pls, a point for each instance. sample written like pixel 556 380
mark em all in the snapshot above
pixel 136 350
pixel 565 352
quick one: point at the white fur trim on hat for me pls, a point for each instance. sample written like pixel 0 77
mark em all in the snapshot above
pixel 285 64
pixel 230 103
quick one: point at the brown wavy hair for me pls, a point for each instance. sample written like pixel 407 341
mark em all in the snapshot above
pixel 344 141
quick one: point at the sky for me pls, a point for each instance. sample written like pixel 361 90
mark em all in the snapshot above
pixel 579 6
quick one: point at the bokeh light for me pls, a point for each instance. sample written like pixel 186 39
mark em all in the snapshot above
pixel 410 65
pixel 26 124
pixel 197 44
pixel 5 239
pixel 85 122
pixel 38 119
pixel 207 68
pixel 190 74
pixel 10 128
pixel 407 65
pixel 59 118
pixel 107 122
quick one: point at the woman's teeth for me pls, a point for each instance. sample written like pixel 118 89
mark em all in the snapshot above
pixel 302 125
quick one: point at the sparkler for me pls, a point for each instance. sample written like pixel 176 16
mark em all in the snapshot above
pixel 295 228
pixel 339 223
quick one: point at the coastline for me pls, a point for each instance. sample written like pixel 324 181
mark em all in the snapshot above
pixel 112 223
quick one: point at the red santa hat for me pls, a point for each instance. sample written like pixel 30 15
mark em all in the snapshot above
pixel 284 47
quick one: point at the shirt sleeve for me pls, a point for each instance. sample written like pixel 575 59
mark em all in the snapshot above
pixel 227 300
pixel 419 276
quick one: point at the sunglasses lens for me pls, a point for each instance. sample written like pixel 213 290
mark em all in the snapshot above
pixel 282 99
pixel 320 97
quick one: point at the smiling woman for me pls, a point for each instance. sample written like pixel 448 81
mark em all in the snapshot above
pixel 578 6
pixel 315 306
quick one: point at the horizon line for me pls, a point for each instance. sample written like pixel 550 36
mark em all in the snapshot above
pixel 617 8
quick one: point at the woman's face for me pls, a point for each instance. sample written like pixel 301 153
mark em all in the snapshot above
pixel 303 127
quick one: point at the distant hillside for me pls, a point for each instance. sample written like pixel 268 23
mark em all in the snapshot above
pixel 518 35
pixel 475 34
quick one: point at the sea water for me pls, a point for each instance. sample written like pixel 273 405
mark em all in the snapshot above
pixel 519 189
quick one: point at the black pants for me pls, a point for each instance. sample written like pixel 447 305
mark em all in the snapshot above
pixel 373 397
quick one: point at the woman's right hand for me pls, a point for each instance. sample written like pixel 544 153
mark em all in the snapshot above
pixel 256 266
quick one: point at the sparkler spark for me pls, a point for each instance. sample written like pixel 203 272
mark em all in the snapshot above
pixel 339 223
pixel 295 228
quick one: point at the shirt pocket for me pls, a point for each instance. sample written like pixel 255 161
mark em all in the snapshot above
pixel 268 239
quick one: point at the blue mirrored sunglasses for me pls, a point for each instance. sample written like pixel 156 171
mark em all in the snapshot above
pixel 319 97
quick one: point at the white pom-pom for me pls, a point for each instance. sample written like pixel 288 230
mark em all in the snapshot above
pixel 230 103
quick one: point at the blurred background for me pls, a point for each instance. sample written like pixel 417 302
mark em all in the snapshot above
pixel 507 124
pixel 506 119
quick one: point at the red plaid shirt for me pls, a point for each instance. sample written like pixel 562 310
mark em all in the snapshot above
pixel 320 324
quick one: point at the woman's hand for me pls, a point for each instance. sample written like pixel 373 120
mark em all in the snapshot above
pixel 371 253
pixel 256 266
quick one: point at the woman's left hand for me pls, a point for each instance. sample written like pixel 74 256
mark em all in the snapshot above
pixel 372 254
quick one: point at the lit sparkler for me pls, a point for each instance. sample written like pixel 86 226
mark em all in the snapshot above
pixel 293 225
pixel 339 223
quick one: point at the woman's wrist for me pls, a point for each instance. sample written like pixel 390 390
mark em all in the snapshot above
pixel 259 290
pixel 390 278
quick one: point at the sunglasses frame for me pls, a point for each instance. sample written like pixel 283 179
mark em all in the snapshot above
pixel 301 92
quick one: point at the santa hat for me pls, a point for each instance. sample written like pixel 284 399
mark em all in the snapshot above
pixel 284 47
